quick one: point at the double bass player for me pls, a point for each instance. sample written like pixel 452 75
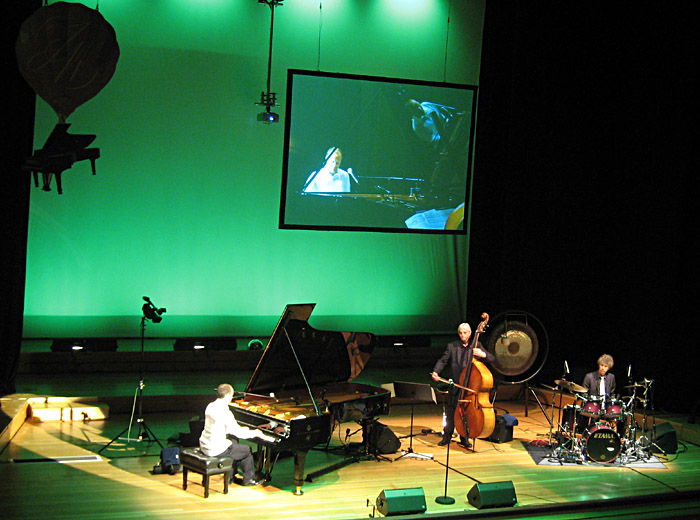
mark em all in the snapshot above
pixel 458 357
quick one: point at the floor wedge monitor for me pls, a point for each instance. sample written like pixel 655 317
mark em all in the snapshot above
pixel 401 501
pixel 492 494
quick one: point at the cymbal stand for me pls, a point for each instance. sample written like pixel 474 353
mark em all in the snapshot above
pixel 560 452
pixel 645 442
pixel 551 421
pixel 571 450
pixel 649 391
pixel 634 448
pixel 529 389
pixel 557 449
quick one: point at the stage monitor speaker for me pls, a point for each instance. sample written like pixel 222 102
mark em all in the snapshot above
pixel 383 440
pixel 492 494
pixel 401 501
pixel 501 432
pixel 666 440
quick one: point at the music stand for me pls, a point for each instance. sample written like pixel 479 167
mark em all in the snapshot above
pixel 416 392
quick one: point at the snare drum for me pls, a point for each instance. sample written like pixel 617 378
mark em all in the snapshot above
pixel 613 409
pixel 601 443
pixel 591 408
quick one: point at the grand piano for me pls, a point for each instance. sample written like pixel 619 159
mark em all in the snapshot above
pixel 301 386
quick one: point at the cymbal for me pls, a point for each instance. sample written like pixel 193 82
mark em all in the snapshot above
pixel 568 385
pixel 635 385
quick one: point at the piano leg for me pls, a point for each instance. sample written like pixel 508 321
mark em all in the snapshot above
pixel 299 462
pixel 263 463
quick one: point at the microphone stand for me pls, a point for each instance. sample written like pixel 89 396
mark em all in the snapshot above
pixel 444 499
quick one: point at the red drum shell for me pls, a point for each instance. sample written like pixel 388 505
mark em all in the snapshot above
pixel 601 443
pixel 567 419
pixel 591 409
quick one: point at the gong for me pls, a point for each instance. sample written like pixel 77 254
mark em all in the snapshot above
pixel 519 344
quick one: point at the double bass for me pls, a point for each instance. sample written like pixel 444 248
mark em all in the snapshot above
pixel 474 416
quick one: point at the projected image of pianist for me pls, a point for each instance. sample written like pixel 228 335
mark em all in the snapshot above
pixel 330 178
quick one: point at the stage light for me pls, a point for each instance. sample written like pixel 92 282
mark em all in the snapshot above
pixel 84 344
pixel 255 344
pixel 405 341
pixel 218 343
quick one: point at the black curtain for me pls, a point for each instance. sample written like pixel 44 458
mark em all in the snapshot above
pixel 14 197
pixel 584 210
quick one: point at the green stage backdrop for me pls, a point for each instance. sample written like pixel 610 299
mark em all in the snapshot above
pixel 185 204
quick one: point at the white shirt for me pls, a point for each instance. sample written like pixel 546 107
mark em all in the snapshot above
pixel 218 422
pixel 326 181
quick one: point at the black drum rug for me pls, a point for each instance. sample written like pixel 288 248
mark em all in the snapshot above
pixel 544 455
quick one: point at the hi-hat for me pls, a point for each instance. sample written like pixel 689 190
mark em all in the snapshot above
pixel 568 385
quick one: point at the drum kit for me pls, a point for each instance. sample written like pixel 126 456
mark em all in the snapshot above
pixel 601 429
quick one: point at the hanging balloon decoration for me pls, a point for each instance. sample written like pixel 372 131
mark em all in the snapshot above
pixel 67 53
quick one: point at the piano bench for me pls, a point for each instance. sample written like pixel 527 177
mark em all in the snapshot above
pixel 192 459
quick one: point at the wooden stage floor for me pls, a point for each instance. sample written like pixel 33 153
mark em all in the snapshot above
pixel 119 484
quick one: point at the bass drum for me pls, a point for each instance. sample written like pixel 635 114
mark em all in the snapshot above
pixel 601 443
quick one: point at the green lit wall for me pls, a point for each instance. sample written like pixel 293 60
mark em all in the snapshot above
pixel 184 207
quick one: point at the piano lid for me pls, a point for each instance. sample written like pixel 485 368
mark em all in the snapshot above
pixel 325 357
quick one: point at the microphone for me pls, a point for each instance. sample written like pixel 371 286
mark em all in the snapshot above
pixel 353 176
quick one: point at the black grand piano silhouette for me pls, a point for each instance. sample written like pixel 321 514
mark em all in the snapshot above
pixel 302 384
pixel 59 153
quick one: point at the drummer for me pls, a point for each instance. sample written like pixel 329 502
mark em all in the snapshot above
pixel 600 384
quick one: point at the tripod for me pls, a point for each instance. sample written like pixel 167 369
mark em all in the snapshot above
pixel 144 432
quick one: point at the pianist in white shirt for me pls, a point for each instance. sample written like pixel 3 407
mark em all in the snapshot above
pixel 330 178
pixel 219 424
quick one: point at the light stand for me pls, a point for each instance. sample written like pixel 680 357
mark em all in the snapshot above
pixel 152 313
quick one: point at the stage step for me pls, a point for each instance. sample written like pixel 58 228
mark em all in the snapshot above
pixel 67 409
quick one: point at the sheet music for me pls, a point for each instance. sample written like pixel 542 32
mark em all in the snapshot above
pixel 430 219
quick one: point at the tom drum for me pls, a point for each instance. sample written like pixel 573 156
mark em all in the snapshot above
pixel 613 409
pixel 572 413
pixel 591 408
